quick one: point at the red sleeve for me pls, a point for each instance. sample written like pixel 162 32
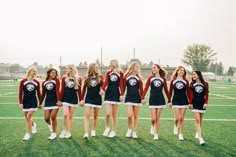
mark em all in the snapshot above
pixel 121 83
pixel 79 89
pixel 21 91
pixel 83 89
pixel 62 88
pixel 190 95
pixel 188 90
pixel 141 88
pixel 106 80
pixel 166 89
pixel 101 80
pixel 38 91
pixel 124 83
pixel 146 86
pixel 43 93
pixel 170 90
pixel 207 93
pixel 58 89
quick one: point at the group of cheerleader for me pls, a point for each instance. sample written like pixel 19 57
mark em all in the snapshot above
pixel 73 90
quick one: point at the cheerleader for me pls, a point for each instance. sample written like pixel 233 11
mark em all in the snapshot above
pixel 28 100
pixel 180 85
pixel 157 82
pixel 198 101
pixel 70 90
pixel 113 96
pixel 50 89
pixel 134 85
pixel 91 88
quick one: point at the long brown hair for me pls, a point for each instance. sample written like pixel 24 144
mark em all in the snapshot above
pixel 49 71
pixel 91 73
pixel 175 73
pixel 162 71
pixel 200 78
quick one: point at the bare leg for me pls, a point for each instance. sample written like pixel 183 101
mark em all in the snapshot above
pixel 136 111
pixel 95 120
pixel 87 118
pixel 114 116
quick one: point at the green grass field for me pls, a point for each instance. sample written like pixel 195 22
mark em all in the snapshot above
pixel 219 131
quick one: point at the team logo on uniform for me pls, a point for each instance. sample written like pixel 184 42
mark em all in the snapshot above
pixel 179 85
pixel 71 84
pixel 132 82
pixel 30 87
pixel 113 78
pixel 157 83
pixel 198 89
pixel 49 86
pixel 93 83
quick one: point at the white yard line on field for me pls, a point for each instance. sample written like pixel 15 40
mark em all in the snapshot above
pixel 123 118
pixel 223 96
pixel 10 93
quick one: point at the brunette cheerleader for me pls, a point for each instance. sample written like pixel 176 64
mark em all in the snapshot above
pixel 198 101
pixel 93 100
pixel 157 82
pixel 50 89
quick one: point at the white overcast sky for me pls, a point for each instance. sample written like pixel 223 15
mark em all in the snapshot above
pixel 43 30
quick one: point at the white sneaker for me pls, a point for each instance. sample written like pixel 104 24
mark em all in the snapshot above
pixel 181 137
pixel 134 135
pixel 34 128
pixel 53 136
pixel 50 127
pixel 68 135
pixel 175 131
pixel 112 134
pixel 93 133
pixel 152 130
pixel 201 141
pixel 196 136
pixel 106 132
pixel 156 137
pixel 63 134
pixel 129 133
pixel 86 136
pixel 26 137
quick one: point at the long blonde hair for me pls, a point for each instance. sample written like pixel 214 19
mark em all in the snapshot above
pixel 131 68
pixel 90 73
pixel 116 64
pixel 175 73
pixel 72 75
pixel 30 69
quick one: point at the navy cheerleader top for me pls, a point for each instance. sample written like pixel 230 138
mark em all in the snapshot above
pixel 134 86
pixel 180 87
pixel 114 79
pixel 157 84
pixel 69 90
pixel 199 91
pixel 50 88
pixel 28 89
pixel 93 89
